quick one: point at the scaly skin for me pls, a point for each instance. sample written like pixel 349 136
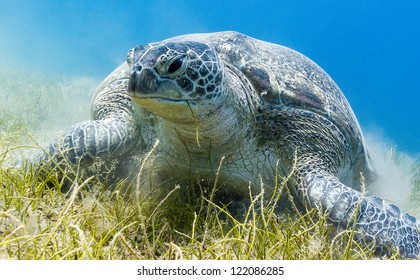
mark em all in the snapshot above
pixel 254 104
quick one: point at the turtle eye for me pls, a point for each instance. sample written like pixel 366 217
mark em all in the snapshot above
pixel 174 66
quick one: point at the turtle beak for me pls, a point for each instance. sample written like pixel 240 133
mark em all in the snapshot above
pixel 143 83
pixel 133 80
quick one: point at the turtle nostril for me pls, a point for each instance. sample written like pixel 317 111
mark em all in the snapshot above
pixel 137 68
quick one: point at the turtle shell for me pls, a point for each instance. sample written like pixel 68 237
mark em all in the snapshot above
pixel 285 78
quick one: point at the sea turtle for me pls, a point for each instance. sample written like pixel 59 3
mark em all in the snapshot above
pixel 245 109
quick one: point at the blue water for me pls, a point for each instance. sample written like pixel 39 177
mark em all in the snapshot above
pixel 370 48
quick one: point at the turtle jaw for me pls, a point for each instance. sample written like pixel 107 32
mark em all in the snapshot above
pixel 169 97
pixel 175 110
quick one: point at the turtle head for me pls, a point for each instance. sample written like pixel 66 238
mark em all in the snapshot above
pixel 170 78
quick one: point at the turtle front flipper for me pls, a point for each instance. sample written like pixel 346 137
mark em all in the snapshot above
pixel 86 142
pixel 113 131
pixel 372 217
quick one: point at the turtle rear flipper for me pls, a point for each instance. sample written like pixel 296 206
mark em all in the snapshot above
pixel 372 218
